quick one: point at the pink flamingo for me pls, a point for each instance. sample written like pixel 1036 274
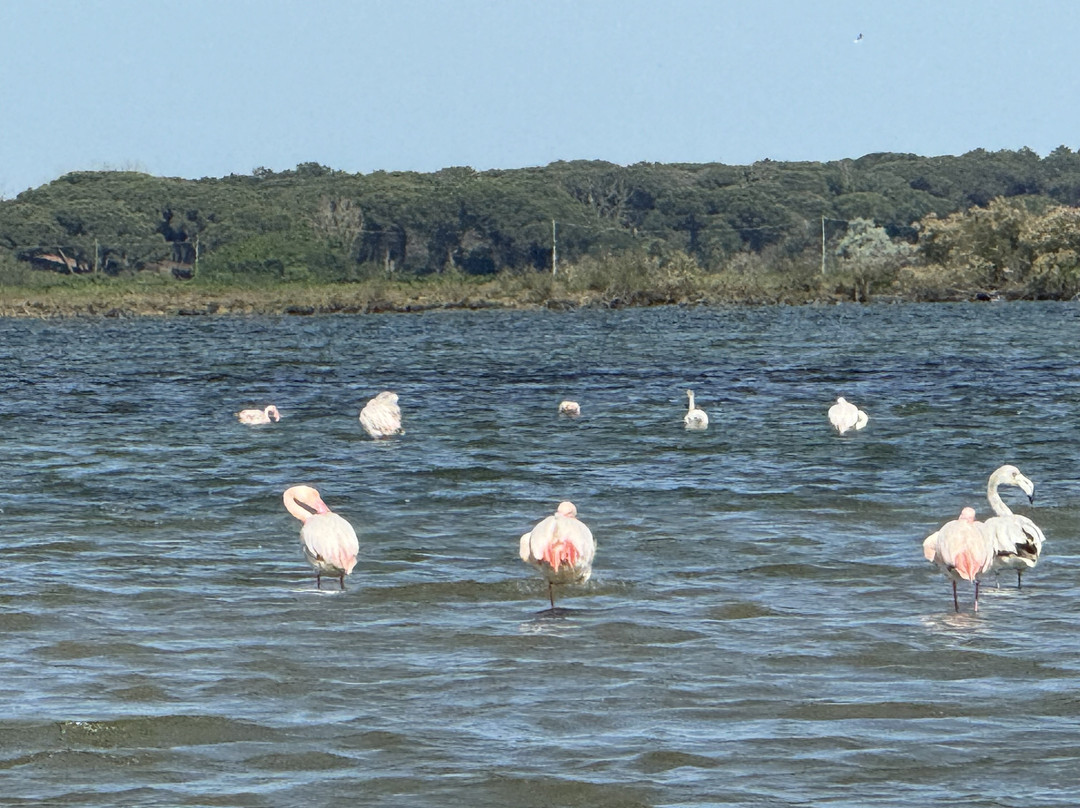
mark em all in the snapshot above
pixel 259 416
pixel 381 416
pixel 844 416
pixel 329 541
pixel 561 547
pixel 962 550
pixel 570 408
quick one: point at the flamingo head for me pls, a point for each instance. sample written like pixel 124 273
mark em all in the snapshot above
pixel 841 400
pixel 1014 477
pixel 567 508
pixel 967 515
pixel 303 502
pixel 272 412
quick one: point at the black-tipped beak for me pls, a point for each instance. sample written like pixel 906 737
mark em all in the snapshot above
pixel 1031 498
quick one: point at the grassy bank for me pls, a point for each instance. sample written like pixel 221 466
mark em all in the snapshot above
pixel 600 283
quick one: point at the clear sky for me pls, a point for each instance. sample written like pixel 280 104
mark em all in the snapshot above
pixel 215 87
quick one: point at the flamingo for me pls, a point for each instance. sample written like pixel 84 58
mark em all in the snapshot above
pixel 962 550
pixel 1017 541
pixel 259 416
pixel 329 541
pixel 381 416
pixel 695 418
pixel 844 416
pixel 570 408
pixel 561 547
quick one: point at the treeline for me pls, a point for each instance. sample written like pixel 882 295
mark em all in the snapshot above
pixel 1002 222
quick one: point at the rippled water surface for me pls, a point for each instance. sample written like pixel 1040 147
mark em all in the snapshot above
pixel 761 628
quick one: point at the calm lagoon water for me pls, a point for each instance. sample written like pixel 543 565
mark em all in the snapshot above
pixel 761 628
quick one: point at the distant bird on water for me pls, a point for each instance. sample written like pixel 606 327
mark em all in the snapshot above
pixel 695 418
pixel 561 547
pixel 381 416
pixel 570 408
pixel 259 416
pixel 962 550
pixel 844 416
pixel 1017 541
pixel 329 541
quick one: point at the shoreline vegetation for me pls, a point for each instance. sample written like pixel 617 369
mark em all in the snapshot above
pixel 884 227
pixel 154 296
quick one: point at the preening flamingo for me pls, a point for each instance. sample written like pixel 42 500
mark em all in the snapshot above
pixel 259 416
pixel 329 541
pixel 381 416
pixel 961 549
pixel 561 547
pixel 844 416
pixel 695 418
pixel 1017 541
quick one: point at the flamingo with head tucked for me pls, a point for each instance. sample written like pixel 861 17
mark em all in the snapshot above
pixel 962 550
pixel 381 416
pixel 1017 540
pixel 561 547
pixel 329 541
pixel 570 408
pixel 844 416
pixel 259 416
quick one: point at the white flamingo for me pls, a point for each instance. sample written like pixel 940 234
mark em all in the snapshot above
pixel 570 408
pixel 962 550
pixel 381 416
pixel 1017 541
pixel 695 418
pixel 329 541
pixel 259 416
pixel 561 547
pixel 844 416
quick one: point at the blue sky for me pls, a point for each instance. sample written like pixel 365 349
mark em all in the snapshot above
pixel 215 87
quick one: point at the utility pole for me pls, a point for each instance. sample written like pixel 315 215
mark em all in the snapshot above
pixel 822 245
pixel 554 251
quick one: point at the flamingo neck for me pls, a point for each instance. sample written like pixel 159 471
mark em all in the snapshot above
pixel 997 504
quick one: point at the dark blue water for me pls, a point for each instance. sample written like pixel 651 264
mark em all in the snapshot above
pixel 760 629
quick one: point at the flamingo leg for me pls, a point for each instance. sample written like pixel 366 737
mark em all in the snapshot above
pixel 551 595
pixel 1018 586
pixel 955 602
pixel 341 580
pixel 318 580
pixel 976 595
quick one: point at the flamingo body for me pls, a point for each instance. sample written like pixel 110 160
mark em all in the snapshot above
pixel 962 550
pixel 695 418
pixel 561 547
pixel 259 416
pixel 381 416
pixel 328 540
pixel 844 415
pixel 570 408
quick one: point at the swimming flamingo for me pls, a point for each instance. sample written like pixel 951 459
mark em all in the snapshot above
pixel 259 416
pixel 381 417
pixel 561 547
pixel 329 541
pixel 571 408
pixel 695 418
pixel 844 416
pixel 1017 541
pixel 962 550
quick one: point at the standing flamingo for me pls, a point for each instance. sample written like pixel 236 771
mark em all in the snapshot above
pixel 1017 541
pixel 695 418
pixel 561 547
pixel 962 550
pixel 844 416
pixel 329 541
pixel 381 416
pixel 259 416
pixel 570 408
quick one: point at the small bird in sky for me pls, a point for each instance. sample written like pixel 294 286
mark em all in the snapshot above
pixel 858 39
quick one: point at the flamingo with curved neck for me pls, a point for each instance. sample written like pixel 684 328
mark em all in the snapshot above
pixel 695 418
pixel 259 416
pixel 328 540
pixel 1017 540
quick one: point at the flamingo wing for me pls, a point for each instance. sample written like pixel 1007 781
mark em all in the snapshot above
pixel 330 542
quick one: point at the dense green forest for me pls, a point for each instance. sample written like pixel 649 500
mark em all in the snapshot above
pixel 922 227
